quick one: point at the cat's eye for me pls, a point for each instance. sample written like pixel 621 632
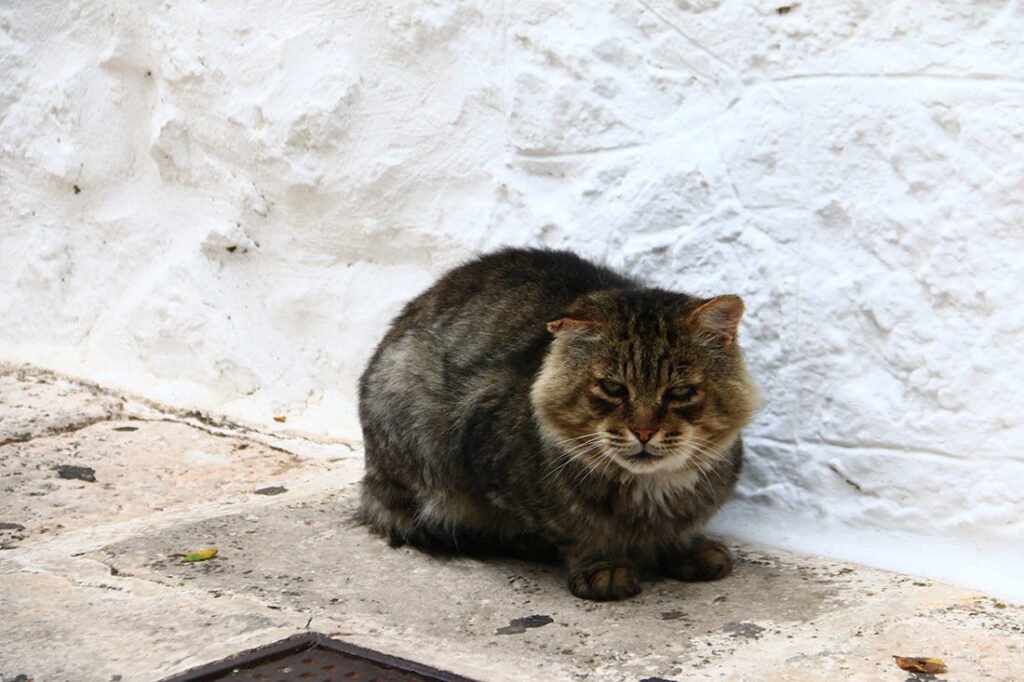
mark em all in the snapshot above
pixel 681 393
pixel 613 389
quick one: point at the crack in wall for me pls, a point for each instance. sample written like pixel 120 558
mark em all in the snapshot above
pixel 692 41
pixel 897 78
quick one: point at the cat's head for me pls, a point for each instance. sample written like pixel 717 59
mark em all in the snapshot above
pixel 644 381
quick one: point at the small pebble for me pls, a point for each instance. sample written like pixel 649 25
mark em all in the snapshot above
pixel 77 473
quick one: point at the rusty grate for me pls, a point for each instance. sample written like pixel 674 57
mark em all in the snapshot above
pixel 314 658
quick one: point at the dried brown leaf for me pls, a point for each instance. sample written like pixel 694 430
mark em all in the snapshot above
pixel 921 665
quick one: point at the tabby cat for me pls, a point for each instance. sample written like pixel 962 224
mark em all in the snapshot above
pixel 533 403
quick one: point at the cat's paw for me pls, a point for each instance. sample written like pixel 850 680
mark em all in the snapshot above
pixel 605 581
pixel 704 560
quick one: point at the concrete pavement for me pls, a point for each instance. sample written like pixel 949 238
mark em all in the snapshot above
pixel 99 490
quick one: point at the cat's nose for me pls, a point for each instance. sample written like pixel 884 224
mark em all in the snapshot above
pixel 643 435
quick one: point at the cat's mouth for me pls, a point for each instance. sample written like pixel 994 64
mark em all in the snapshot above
pixel 645 456
pixel 642 462
pixel 647 460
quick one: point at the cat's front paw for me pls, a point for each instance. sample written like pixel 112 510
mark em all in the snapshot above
pixel 703 560
pixel 604 581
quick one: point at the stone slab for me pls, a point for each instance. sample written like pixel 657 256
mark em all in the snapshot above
pixel 90 591
pixel 32 406
pixel 138 468
pixel 800 616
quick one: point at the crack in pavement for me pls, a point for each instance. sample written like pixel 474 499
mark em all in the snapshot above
pixel 137 408
pixel 56 431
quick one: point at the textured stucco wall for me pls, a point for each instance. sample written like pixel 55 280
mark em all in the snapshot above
pixel 221 207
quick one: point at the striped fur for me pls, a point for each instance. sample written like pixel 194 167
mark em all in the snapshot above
pixel 533 403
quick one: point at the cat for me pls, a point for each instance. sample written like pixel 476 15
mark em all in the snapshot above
pixel 536 404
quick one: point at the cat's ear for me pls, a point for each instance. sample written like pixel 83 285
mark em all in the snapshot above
pixel 569 324
pixel 716 320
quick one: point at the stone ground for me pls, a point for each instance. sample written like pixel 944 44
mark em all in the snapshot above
pixel 98 490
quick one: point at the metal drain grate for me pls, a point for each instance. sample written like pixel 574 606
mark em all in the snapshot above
pixel 314 658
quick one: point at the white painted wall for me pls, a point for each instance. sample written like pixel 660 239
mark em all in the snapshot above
pixel 221 207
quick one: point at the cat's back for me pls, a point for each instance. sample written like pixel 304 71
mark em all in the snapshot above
pixel 496 306
pixel 508 285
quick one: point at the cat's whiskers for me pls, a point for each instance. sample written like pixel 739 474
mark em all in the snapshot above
pixel 609 459
pixel 563 467
pixel 591 468
pixel 574 438
pixel 575 454
pixel 707 479
pixel 575 451
pixel 558 469
pixel 577 477
pixel 702 459
pixel 711 452
pixel 703 450
pixel 621 445
pixel 572 448
pixel 580 450
pixel 705 441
